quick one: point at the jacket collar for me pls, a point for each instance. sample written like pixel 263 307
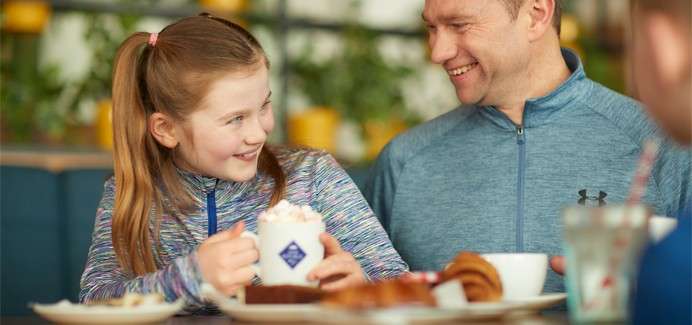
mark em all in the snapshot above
pixel 539 111
pixel 199 184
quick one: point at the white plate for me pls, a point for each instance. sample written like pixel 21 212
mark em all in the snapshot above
pixel 537 303
pixel 419 315
pixel 409 315
pixel 278 313
pixel 274 313
pixel 66 312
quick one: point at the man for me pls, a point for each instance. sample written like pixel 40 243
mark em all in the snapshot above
pixel 663 76
pixel 534 135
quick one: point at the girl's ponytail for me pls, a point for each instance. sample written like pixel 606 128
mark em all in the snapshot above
pixel 135 190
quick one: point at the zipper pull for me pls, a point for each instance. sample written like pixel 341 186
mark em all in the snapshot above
pixel 520 134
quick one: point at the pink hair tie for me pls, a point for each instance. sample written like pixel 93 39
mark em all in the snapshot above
pixel 152 38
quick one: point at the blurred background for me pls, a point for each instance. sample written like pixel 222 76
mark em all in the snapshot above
pixel 347 76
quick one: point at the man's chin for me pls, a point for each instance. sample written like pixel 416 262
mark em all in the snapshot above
pixel 468 100
pixel 464 101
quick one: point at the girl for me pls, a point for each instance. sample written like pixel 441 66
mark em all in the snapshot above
pixel 191 115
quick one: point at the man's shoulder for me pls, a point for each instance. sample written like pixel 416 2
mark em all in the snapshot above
pixel 606 99
pixel 411 142
pixel 625 113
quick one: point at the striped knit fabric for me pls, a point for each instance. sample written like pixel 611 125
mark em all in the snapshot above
pixel 313 178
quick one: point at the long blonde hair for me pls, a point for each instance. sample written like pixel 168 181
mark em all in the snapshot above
pixel 171 77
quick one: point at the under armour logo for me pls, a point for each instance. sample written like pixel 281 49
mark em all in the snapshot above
pixel 592 199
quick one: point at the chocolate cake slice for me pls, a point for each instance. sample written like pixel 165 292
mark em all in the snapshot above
pixel 282 294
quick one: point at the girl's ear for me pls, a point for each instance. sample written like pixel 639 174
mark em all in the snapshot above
pixel 162 128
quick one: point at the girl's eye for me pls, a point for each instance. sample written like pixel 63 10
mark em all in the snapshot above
pixel 235 120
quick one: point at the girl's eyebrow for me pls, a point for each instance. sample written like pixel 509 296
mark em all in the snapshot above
pixel 243 111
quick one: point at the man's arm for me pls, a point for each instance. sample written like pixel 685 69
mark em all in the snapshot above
pixel 380 187
pixel 673 176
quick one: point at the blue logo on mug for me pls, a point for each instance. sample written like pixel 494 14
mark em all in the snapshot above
pixel 292 254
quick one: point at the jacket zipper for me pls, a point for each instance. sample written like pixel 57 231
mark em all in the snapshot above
pixel 521 142
pixel 211 212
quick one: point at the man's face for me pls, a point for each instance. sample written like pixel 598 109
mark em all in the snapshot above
pixel 484 50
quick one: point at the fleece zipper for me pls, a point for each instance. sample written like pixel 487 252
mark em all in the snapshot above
pixel 521 143
pixel 211 212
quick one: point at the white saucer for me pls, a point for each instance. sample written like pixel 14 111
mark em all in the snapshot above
pixel 284 313
pixel 274 313
pixel 539 302
pixel 69 313
pixel 407 315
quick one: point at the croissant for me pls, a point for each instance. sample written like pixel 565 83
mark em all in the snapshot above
pixel 480 279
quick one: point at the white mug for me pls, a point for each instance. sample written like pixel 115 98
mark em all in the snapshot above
pixel 288 251
pixel 522 274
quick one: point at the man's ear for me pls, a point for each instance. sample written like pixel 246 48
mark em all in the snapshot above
pixel 670 49
pixel 162 128
pixel 540 13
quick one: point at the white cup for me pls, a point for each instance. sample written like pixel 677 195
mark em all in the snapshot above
pixel 288 251
pixel 522 274
pixel 660 227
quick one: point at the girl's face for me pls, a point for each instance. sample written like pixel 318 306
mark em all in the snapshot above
pixel 224 137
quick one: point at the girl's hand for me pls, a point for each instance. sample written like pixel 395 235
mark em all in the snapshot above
pixel 224 259
pixel 339 269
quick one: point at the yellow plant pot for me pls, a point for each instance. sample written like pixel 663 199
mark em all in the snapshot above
pixel 315 128
pixel 378 133
pixel 104 124
pixel 25 16
pixel 233 6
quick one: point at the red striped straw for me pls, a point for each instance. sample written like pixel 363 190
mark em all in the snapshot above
pixel 641 178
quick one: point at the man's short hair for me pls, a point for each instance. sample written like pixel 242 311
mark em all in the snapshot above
pixel 514 5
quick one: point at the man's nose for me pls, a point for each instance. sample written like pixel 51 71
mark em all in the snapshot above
pixel 442 47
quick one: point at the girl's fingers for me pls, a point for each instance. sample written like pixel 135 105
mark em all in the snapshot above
pixel 229 290
pixel 244 275
pixel 332 266
pixel 241 259
pixel 331 245
pixel 229 234
pixel 229 282
pixel 236 245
